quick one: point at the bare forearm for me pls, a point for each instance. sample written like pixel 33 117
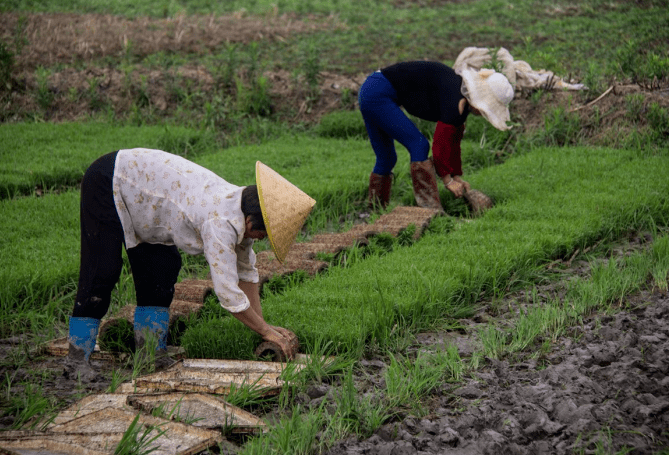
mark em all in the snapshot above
pixel 252 291
pixel 253 321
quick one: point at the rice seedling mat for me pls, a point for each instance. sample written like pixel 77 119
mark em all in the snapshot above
pixel 213 376
pixel 199 410
pixel 100 431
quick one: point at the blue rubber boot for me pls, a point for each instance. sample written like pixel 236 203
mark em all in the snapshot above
pixel 81 339
pixel 152 320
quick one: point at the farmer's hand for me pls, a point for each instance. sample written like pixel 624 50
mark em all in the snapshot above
pixel 282 341
pixel 285 332
pixel 468 187
pixel 456 187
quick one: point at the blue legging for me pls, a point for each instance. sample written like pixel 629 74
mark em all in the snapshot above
pixel 386 122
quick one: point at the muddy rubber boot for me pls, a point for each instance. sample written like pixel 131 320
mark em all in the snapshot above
pixel 379 190
pixel 424 179
pixel 81 339
pixel 152 321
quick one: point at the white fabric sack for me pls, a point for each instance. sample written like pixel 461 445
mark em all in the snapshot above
pixel 519 73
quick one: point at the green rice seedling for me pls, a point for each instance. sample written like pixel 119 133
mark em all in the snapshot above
pixel 294 434
pixel 278 284
pixel 407 382
pixel 138 439
pixel 322 363
pixel 556 320
pixel 382 317
pixel 493 340
pixel 174 412
pixel 660 263
pixel 350 413
pixel 118 377
pixel 608 285
pixel 119 337
pixel 248 396
pixel 203 340
pixel 527 329
pixel 30 406
pixel 187 143
pixel 144 357
pixel 57 155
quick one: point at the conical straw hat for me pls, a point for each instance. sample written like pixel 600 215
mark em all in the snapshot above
pixel 284 208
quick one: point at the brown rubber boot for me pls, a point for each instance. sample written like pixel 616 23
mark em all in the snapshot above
pixel 425 190
pixel 379 190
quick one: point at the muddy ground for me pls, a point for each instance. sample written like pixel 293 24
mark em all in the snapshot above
pixel 601 388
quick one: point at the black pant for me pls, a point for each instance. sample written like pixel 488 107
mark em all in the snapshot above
pixel 155 268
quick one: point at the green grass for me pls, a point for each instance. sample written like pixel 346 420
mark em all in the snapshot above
pixel 56 155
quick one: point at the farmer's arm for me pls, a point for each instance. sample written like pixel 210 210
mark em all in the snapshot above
pixel 252 318
pixel 446 154
pixel 252 291
pixel 248 283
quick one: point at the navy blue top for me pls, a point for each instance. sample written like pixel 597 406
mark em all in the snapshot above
pixel 428 90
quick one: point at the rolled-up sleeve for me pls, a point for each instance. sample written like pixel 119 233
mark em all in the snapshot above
pixel 221 251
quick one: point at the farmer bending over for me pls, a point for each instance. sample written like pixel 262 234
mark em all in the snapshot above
pixel 431 91
pixel 157 203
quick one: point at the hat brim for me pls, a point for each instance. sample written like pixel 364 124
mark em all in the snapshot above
pixel 479 96
pixel 284 209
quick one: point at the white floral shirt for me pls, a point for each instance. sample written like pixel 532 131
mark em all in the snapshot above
pixel 166 199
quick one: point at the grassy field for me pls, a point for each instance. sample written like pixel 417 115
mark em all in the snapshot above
pixel 282 89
